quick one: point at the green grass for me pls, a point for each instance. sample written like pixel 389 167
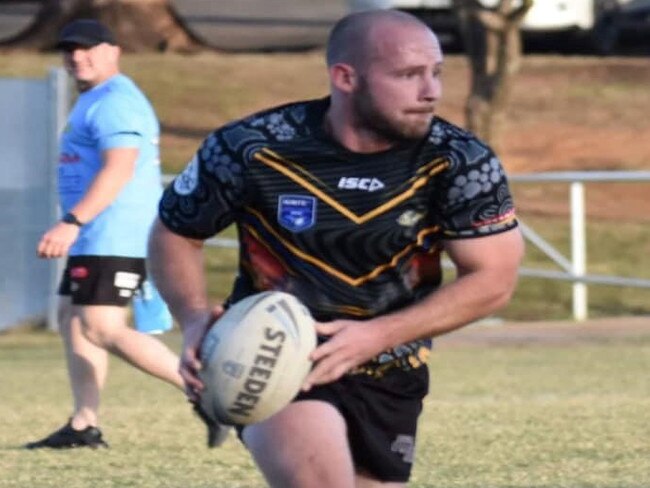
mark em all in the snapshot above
pixel 501 417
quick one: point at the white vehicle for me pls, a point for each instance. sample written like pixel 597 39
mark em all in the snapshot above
pixel 597 22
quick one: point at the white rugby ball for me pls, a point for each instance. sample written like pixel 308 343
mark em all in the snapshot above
pixel 255 358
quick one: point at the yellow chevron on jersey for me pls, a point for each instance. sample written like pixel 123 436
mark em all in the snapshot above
pixel 283 166
pixel 298 168
pixel 323 266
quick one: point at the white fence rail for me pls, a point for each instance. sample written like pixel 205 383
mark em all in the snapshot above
pixel 573 269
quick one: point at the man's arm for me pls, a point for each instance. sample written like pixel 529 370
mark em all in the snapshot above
pixel 117 169
pixel 177 268
pixel 487 276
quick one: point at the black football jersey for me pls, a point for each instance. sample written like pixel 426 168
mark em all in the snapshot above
pixel 352 235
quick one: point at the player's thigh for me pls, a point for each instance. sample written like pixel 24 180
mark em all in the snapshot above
pixel 304 445
pixel 100 289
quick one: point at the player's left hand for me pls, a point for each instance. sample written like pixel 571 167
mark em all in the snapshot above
pixel 350 344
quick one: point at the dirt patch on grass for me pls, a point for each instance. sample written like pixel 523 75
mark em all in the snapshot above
pixel 548 333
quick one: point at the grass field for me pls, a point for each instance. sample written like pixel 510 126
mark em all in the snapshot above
pixel 573 416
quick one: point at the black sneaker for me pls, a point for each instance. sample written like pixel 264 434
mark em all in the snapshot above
pixel 67 437
pixel 217 433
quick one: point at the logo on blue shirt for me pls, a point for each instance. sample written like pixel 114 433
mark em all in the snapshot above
pixel 296 212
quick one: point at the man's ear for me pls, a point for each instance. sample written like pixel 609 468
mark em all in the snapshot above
pixel 343 77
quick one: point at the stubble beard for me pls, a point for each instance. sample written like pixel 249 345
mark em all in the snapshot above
pixel 369 117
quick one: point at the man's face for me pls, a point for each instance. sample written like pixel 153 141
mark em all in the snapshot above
pixel 90 66
pixel 399 85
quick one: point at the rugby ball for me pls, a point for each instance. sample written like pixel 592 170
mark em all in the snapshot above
pixel 255 358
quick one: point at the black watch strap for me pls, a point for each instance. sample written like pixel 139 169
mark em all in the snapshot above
pixel 71 218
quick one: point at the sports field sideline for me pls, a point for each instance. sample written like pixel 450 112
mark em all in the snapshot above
pixel 514 405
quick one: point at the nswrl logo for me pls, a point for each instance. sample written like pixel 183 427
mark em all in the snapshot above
pixel 296 212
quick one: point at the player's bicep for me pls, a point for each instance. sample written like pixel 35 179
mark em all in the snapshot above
pixel 496 253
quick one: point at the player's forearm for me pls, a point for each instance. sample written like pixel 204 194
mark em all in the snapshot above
pixel 469 298
pixel 487 276
pixel 176 266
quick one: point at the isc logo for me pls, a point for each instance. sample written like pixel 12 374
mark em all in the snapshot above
pixel 353 183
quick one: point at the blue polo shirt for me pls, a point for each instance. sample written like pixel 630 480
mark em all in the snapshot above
pixel 114 114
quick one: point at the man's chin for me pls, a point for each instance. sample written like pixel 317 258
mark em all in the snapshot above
pixel 83 85
pixel 416 131
pixel 417 126
pixel 404 130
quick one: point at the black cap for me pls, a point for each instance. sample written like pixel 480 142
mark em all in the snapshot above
pixel 84 32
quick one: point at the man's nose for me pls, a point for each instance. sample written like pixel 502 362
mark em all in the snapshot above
pixel 431 89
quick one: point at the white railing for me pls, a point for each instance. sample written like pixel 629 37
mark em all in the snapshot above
pixel 575 268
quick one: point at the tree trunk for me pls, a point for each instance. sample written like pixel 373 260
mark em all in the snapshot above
pixel 493 43
pixel 138 25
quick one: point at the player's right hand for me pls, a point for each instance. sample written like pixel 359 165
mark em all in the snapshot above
pixel 190 361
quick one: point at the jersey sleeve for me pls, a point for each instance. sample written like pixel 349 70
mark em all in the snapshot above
pixel 115 123
pixel 474 196
pixel 205 198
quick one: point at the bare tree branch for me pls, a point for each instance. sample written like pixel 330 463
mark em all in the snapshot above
pixel 493 45
pixel 139 25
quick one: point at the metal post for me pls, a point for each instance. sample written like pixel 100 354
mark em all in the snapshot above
pixel 59 105
pixel 578 250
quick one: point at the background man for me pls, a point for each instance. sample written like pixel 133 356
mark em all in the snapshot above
pixel 109 186
pixel 347 202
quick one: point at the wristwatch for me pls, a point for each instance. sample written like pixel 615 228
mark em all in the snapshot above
pixel 71 218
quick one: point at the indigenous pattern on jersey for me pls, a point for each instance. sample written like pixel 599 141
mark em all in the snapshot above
pixel 352 235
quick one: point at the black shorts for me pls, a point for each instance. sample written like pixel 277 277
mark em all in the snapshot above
pixel 381 415
pixel 102 280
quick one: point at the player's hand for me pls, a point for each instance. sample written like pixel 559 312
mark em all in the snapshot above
pixel 351 343
pixel 190 361
pixel 57 241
